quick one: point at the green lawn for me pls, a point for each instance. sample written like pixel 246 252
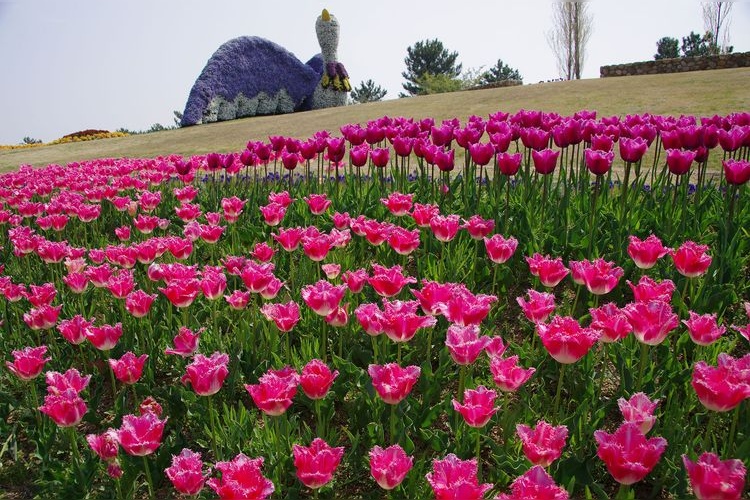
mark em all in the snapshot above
pixel 698 93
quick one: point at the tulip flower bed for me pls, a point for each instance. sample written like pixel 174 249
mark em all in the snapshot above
pixel 358 316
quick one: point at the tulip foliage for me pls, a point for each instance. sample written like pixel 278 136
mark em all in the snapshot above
pixel 523 305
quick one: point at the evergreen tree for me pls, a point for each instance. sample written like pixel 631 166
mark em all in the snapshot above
pixel 368 92
pixel 428 57
pixel 695 45
pixel 667 48
pixel 500 72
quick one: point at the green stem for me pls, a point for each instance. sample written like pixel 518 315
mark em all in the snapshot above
pixel 76 456
pixel 709 431
pixel 320 429
pixel 729 447
pixel 393 423
pixel 324 342
pixel 375 356
pixel 642 366
pixel 477 452
pixel 150 482
pixel 556 406
pixel 212 419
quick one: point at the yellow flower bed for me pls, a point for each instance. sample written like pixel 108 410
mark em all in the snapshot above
pixel 65 140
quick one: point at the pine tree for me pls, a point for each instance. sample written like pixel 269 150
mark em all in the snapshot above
pixel 428 57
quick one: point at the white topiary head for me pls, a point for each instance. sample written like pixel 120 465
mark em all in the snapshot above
pixel 327 29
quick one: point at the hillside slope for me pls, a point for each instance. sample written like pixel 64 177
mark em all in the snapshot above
pixel 697 93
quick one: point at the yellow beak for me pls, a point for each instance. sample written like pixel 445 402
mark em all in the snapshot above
pixel 326 16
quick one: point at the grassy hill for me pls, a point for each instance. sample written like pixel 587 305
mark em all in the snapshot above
pixel 700 93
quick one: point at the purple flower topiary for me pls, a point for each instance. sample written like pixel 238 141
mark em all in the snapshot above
pixel 249 66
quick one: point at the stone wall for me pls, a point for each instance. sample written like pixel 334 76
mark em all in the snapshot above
pixel 678 65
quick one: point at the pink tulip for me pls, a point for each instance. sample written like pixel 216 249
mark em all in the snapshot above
pixel 508 163
pixel 691 259
pixel 273 213
pixel 316 379
pixel 736 172
pixel 538 307
pixel 317 248
pixel 331 270
pixel 42 318
pixel 213 282
pixel 316 463
pixel 282 198
pixel 181 293
pixel 639 409
pixel 370 318
pixel 679 161
pixel 400 321
pixel 433 297
pixel 453 478
pixel 77 282
pixel 535 483
pixel 341 221
pixel 41 295
pixel 423 214
pixel 545 160
pixel 445 160
pixel 61 382
pixel 141 435
pixel 186 472
pixel 285 316
pixel 646 252
pixel 651 321
pixel 66 408
pixel 207 375
pixel 543 444
pixel 105 445
pixel 238 299
pixel 104 337
pixel 464 343
pixel 714 479
pixel 478 228
pixel 703 328
pixel 445 227
pixel 242 478
pixel 392 382
pixel 632 149
pixel 647 289
pixel 499 249
pixel 185 342
pixel 318 203
pixel 565 340
pixel 403 241
pixel 398 204
pixel 464 308
pixel 138 303
pixel 478 406
pixel 232 208
pixel 323 297
pixel 257 276
pixel 611 322
pixel 355 280
pixel 274 391
pixel 481 154
pixel 388 467
pixel 598 161
pixel 722 387
pixel 129 368
pixel 549 271
pixel 628 455
pixel 601 277
pixel 28 363
pixel 388 282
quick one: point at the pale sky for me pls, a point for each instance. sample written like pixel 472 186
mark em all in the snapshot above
pixel 69 65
